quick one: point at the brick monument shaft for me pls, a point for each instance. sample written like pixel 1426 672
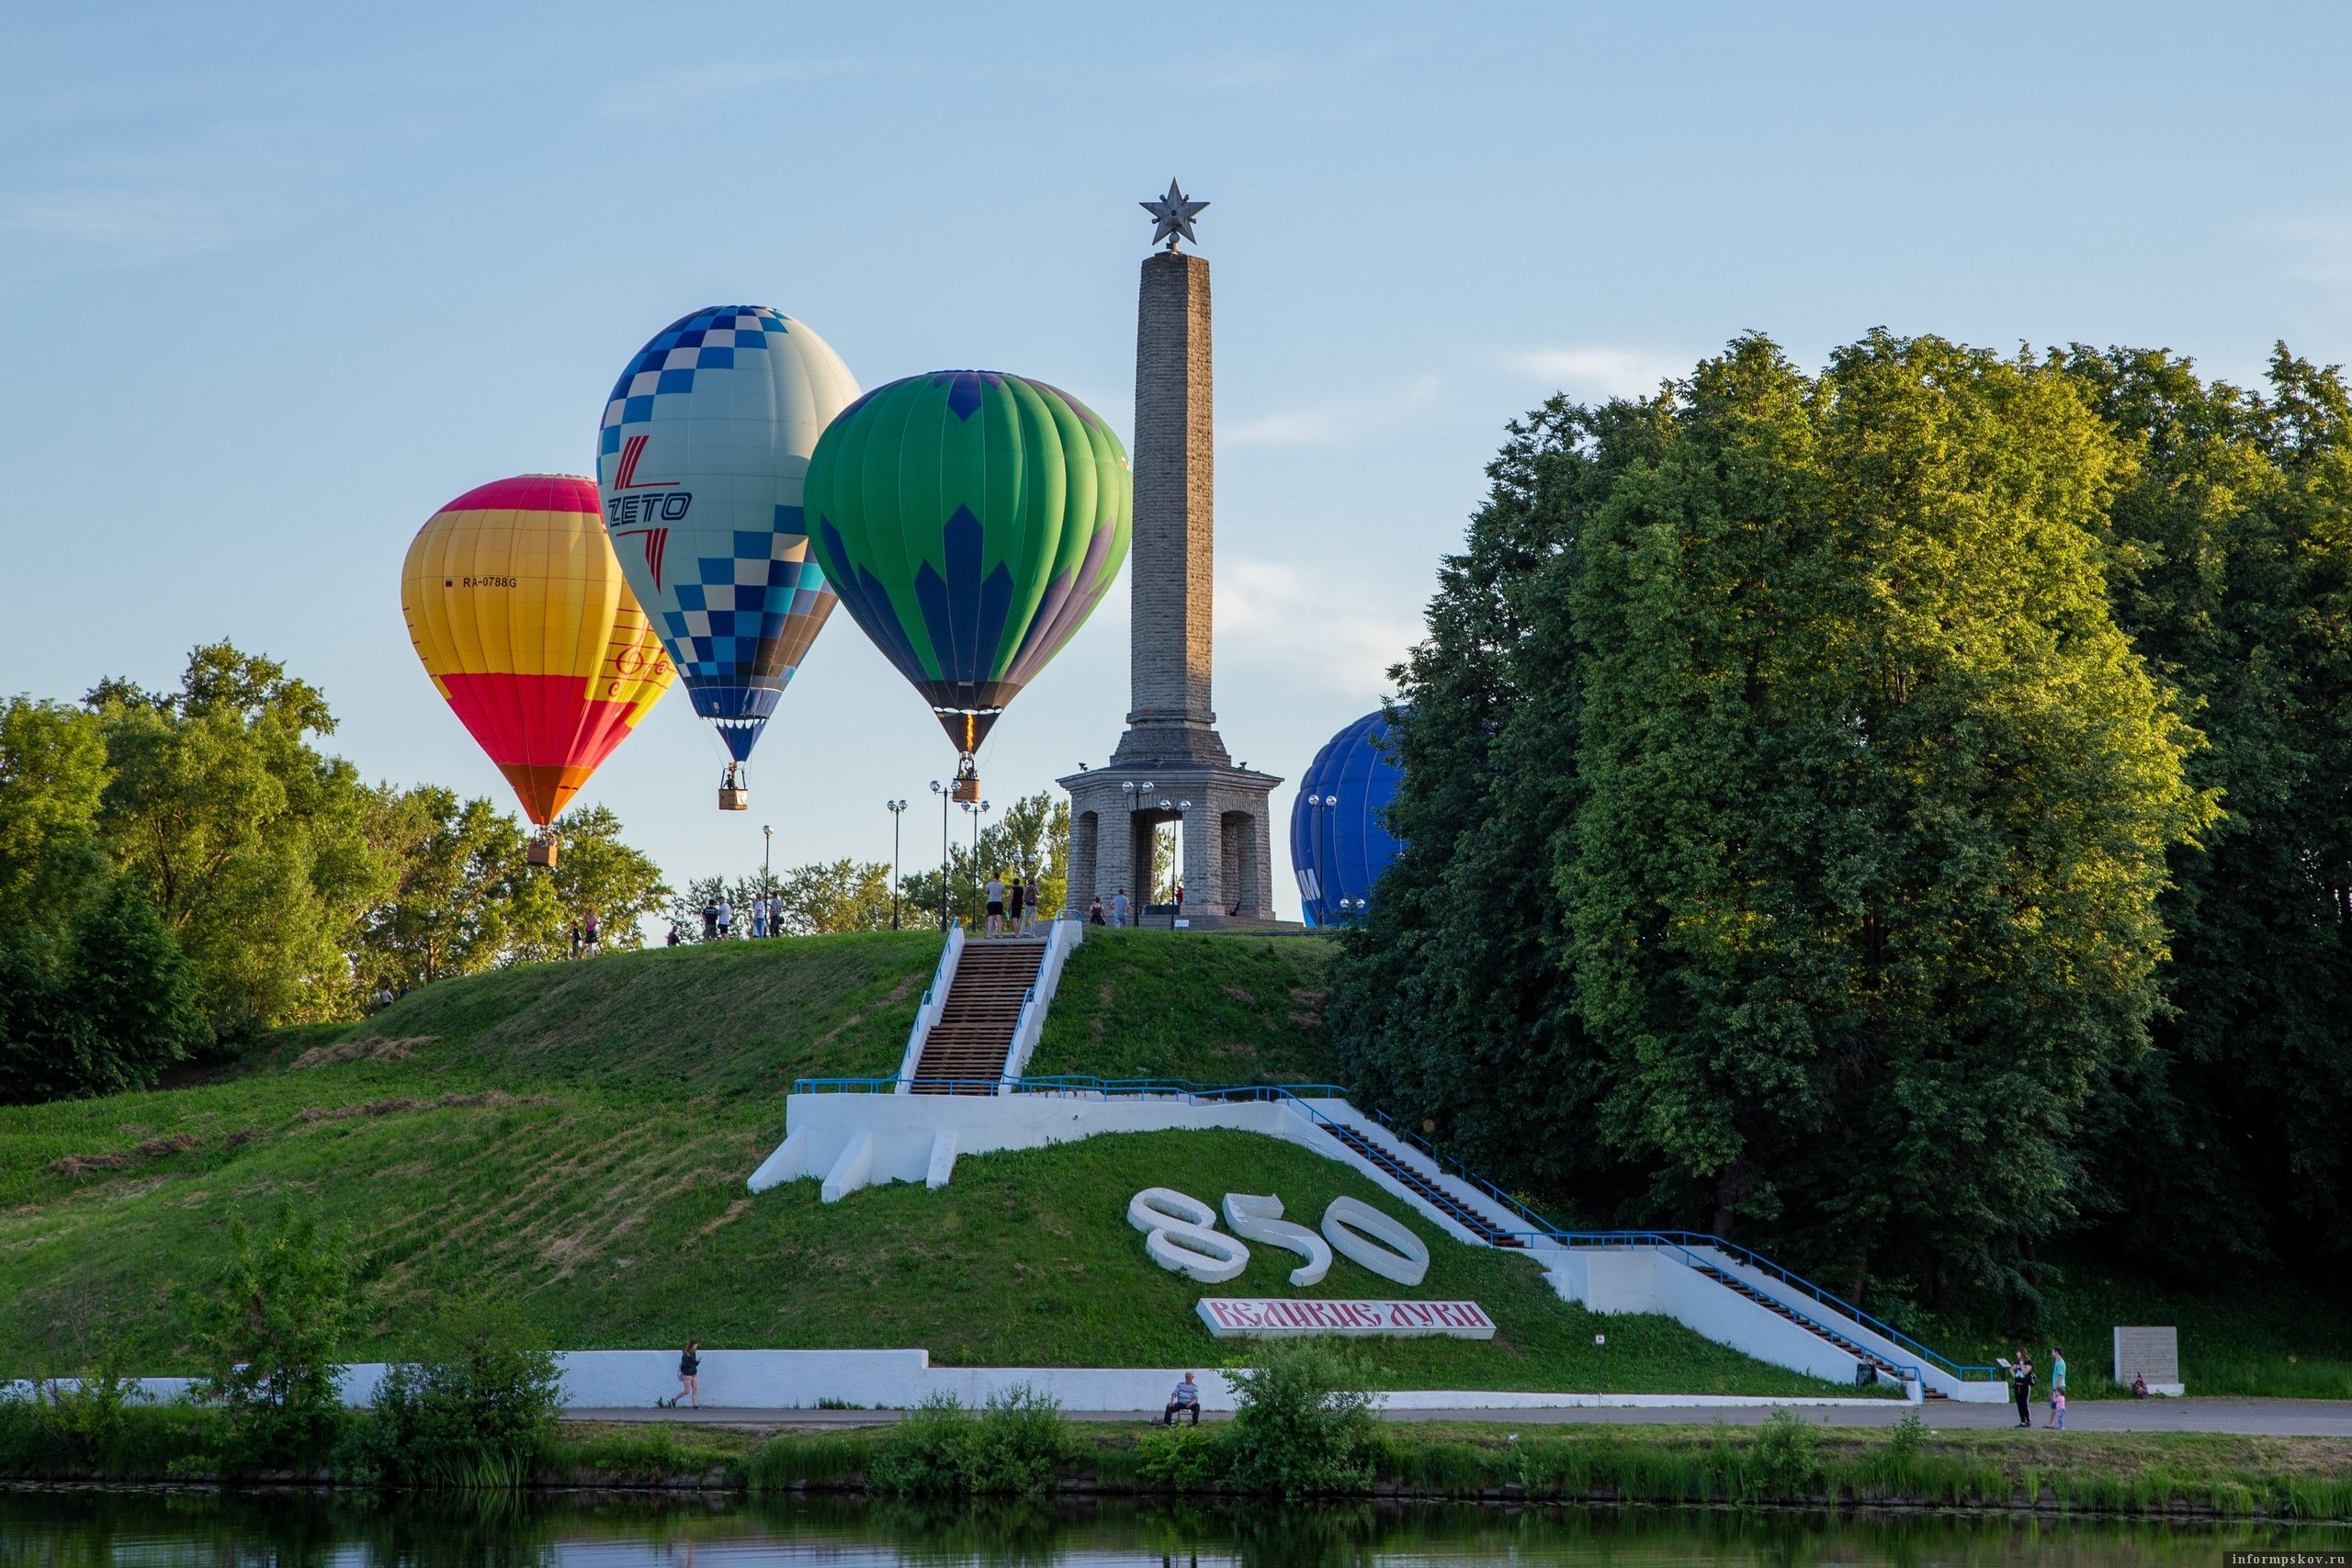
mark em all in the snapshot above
pixel 1171 768
pixel 1173 558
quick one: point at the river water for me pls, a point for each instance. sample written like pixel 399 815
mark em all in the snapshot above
pixel 137 1528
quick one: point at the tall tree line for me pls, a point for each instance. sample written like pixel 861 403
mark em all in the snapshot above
pixel 187 867
pixel 1895 815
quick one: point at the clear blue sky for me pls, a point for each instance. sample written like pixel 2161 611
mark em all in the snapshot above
pixel 275 282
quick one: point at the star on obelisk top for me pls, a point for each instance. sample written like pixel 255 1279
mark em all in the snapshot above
pixel 1173 215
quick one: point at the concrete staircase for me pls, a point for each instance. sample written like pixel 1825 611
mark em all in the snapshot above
pixel 1817 1328
pixel 964 1052
pixel 1423 1182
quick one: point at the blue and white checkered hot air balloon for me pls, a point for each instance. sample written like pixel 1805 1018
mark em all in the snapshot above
pixel 705 445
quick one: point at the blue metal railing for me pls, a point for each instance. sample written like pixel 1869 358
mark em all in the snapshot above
pixel 1083 1086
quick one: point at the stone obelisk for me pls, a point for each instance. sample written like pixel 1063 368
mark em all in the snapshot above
pixel 1173 559
pixel 1171 765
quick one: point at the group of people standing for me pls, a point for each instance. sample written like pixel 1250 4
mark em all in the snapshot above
pixel 585 933
pixel 1120 912
pixel 1013 906
pixel 766 918
pixel 2021 1375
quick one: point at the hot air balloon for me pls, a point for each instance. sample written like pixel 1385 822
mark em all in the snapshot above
pixel 1338 845
pixel 970 521
pixel 522 618
pixel 705 441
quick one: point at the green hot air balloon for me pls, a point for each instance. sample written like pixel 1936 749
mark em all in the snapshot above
pixel 970 521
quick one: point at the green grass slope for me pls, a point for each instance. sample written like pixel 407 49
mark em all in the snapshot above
pixel 1220 1009
pixel 576 1136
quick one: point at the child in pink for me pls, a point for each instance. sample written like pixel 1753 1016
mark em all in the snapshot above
pixel 2058 1400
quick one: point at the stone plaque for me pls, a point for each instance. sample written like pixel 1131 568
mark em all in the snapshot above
pixel 2150 1353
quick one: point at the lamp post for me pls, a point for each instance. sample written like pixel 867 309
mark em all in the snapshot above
pixel 978 810
pixel 767 845
pixel 945 796
pixel 1320 836
pixel 896 809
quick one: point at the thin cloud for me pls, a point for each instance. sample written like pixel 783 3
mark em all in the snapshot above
pixel 694 81
pixel 127 227
pixel 1602 372
pixel 1309 627
pixel 1333 424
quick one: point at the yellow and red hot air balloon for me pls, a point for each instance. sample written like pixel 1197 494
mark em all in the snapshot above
pixel 519 611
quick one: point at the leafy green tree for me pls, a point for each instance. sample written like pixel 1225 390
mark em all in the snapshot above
pixel 109 1015
pixel 1453 1004
pixel 1031 838
pixel 1863 887
pixel 251 843
pixel 596 871
pixel 270 1332
pixel 842 896
pixel 459 875
pixel 52 777
pixel 2237 584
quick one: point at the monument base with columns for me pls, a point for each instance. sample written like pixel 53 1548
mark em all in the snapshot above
pixel 1225 853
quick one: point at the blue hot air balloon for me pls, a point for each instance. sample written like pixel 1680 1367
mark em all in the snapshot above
pixel 704 447
pixel 1338 845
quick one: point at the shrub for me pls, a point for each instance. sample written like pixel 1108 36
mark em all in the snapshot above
pixel 1182 1458
pixel 1301 1424
pixel 1785 1458
pixel 1016 1444
pixel 477 1414
pixel 270 1333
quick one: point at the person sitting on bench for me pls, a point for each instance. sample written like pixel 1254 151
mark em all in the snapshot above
pixel 1186 1397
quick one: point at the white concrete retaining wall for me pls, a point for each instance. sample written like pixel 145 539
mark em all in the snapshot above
pixel 1653 1280
pixel 898 1380
pixel 1935 1377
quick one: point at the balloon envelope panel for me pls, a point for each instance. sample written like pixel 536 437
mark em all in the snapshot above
pixel 1338 851
pixel 521 616
pixel 970 521
pixel 704 447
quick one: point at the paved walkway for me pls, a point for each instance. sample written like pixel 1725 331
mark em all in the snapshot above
pixel 2265 1417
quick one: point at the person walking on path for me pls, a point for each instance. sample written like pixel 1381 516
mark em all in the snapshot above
pixel 726 917
pixel 1036 909
pixel 591 933
pixel 690 1374
pixel 2021 1386
pixel 2057 1386
pixel 575 939
pixel 2058 1409
pixel 996 905
pixel 1095 911
pixel 1119 907
pixel 1018 898
pixel 710 920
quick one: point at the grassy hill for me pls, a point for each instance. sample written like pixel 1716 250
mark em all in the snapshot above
pixel 576 1135
pixel 1221 1010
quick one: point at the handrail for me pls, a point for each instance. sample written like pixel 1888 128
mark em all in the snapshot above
pixel 1692 1260
pixel 1074 1085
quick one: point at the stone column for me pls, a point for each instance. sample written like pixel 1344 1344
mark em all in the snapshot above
pixel 1203 854
pixel 1173 559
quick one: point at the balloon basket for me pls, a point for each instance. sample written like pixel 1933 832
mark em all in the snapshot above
pixel 734 794
pixel 967 788
pixel 541 853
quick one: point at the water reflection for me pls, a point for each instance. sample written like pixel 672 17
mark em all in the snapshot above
pixel 133 1528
